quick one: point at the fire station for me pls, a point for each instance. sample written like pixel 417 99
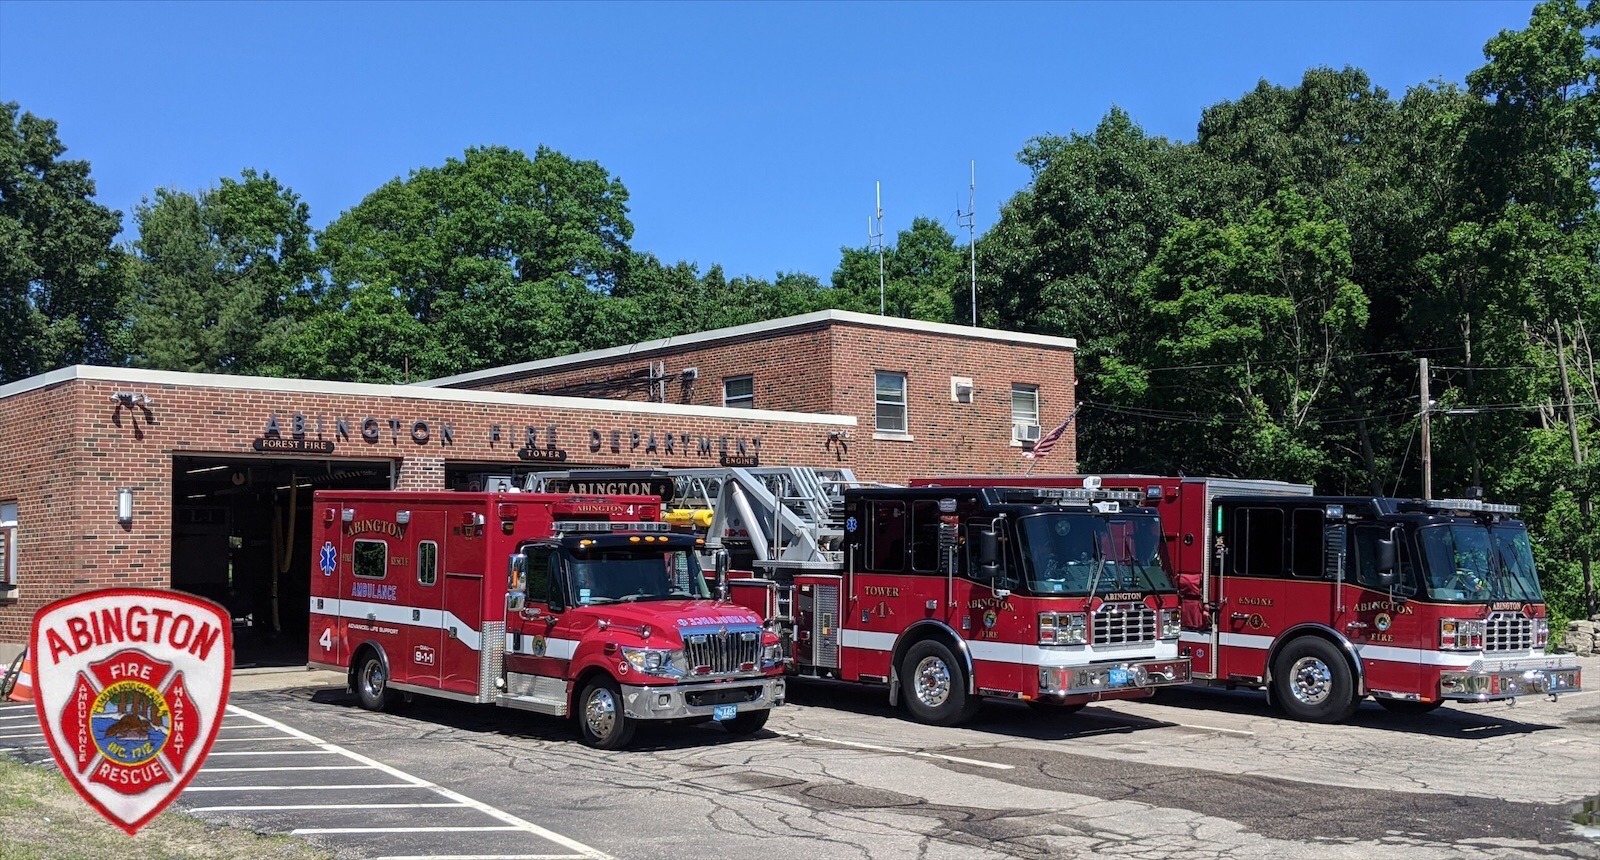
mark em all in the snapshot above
pixel 202 482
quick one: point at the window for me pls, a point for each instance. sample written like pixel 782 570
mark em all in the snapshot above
pixel 925 544
pixel 1309 550
pixel 538 578
pixel 739 392
pixel 890 396
pixel 886 547
pixel 371 559
pixel 1025 405
pixel 8 545
pixel 1366 566
pixel 1257 542
pixel 427 562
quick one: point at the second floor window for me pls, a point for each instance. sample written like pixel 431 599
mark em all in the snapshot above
pixel 739 392
pixel 1025 405
pixel 890 396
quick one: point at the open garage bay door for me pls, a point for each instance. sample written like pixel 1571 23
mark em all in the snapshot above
pixel 240 537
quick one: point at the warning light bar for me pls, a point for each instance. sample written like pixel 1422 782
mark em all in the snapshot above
pixel 608 527
pixel 1464 505
pixel 1066 494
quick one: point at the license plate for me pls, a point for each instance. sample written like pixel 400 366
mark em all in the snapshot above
pixel 725 712
pixel 1118 678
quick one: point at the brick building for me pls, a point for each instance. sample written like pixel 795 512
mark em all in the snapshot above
pixel 202 482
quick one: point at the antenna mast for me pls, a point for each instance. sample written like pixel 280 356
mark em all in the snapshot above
pixel 878 238
pixel 969 220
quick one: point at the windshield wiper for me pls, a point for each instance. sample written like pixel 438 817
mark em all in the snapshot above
pixel 1099 568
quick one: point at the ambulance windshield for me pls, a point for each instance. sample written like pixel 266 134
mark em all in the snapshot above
pixel 1480 563
pixel 625 574
pixel 1078 554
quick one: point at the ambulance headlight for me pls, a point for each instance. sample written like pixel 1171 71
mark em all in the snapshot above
pixel 657 661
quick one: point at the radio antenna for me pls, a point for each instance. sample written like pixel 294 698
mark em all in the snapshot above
pixel 969 220
pixel 878 238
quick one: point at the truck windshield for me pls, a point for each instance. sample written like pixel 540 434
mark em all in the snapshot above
pixel 617 574
pixel 1480 563
pixel 1078 554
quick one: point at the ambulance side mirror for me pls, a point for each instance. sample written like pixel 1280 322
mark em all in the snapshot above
pixel 516 582
pixel 722 574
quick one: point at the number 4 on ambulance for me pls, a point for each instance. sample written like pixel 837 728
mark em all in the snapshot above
pixel 130 685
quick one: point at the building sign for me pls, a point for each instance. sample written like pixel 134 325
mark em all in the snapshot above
pixel 129 685
pixel 740 460
pixel 542 455
pixel 372 430
pixel 292 446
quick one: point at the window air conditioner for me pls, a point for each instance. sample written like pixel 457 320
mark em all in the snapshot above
pixel 1025 432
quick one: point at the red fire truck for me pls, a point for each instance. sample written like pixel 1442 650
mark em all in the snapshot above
pixel 568 605
pixel 1324 600
pixel 1053 597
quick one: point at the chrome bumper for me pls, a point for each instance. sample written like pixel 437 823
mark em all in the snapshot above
pixel 680 701
pixel 1111 677
pixel 1492 680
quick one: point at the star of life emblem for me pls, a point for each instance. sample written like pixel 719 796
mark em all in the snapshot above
pixel 129 686
pixel 329 559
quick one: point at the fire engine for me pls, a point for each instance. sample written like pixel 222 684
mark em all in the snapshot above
pixel 568 605
pixel 1325 600
pixel 1054 597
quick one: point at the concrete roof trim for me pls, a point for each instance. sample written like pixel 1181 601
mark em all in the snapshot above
pixel 135 376
pixel 816 318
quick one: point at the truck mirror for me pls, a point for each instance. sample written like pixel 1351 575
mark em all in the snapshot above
pixel 1386 559
pixel 990 566
pixel 722 574
pixel 517 572
pixel 516 600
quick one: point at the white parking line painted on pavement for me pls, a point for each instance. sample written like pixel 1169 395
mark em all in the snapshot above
pixel 19 717
pixel 481 857
pixel 895 750
pixel 39 734
pixel 286 767
pixel 193 788
pixel 16 707
pixel 273 752
pixel 310 831
pixel 321 806
pixel 251 740
pixel 493 812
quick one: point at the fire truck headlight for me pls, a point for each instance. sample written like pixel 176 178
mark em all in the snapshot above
pixel 1171 620
pixel 1063 628
pixel 1461 634
pixel 771 655
pixel 1541 632
pixel 657 661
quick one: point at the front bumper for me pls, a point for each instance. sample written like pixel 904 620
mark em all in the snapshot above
pixel 1492 680
pixel 1110 677
pixel 681 701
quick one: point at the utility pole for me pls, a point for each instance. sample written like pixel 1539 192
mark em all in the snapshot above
pixel 1585 505
pixel 1427 438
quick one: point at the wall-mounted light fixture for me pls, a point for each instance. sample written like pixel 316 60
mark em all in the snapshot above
pixel 124 505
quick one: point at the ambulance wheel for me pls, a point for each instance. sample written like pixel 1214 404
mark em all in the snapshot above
pixel 1313 682
pixel 934 685
pixel 601 719
pixel 372 683
pixel 747 723
pixel 1407 708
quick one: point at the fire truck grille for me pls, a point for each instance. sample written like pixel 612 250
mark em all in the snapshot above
pixel 723 650
pixel 1508 631
pixel 1123 624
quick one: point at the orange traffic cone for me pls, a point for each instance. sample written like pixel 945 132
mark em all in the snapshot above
pixel 23 690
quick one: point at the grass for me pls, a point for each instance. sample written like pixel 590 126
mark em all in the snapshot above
pixel 43 818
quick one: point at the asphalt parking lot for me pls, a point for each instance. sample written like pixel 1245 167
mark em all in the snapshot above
pixel 1198 773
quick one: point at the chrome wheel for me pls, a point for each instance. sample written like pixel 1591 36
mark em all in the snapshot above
pixel 931 682
pixel 600 712
pixel 1310 680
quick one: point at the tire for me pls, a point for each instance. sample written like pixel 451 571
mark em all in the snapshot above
pixel 601 718
pixel 747 722
pixel 1053 709
pixel 1407 708
pixel 1312 682
pixel 372 683
pixel 934 685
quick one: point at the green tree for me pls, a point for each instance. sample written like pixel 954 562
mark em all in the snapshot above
pixel 921 272
pixel 219 278
pixel 60 275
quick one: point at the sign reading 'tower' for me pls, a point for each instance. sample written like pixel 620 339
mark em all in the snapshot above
pixel 130 685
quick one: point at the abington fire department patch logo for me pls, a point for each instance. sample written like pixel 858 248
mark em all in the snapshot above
pixel 129 685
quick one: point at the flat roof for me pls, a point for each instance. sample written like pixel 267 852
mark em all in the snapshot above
pixel 816 319
pixel 136 376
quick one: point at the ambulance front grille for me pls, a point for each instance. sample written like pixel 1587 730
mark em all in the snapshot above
pixel 722 650
pixel 1508 631
pixel 1123 624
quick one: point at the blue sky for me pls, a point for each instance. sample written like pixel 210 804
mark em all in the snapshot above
pixel 747 134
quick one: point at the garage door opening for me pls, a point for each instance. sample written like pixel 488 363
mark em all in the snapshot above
pixel 241 537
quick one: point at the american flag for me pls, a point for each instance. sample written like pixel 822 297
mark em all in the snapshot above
pixel 1047 443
